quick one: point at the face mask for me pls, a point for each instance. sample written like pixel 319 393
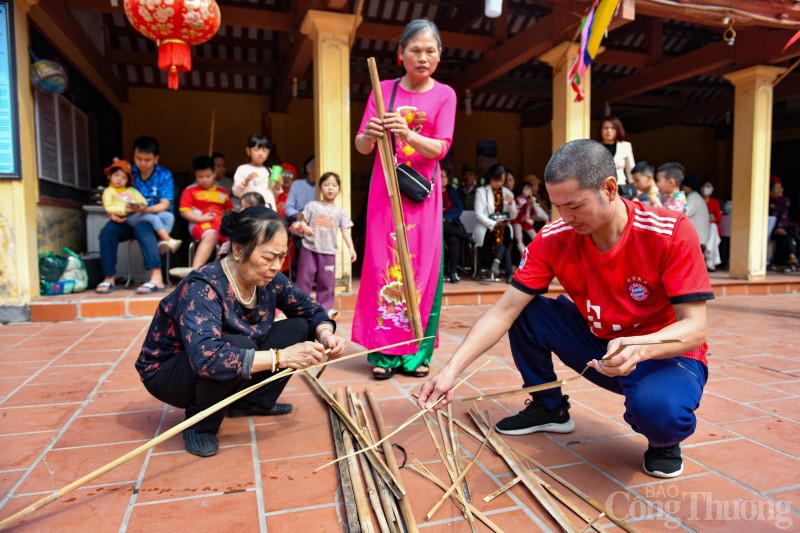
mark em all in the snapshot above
pixel 707 191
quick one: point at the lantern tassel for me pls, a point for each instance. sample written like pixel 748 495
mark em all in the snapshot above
pixel 174 56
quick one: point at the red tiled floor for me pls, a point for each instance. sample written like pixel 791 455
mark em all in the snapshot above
pixel 744 448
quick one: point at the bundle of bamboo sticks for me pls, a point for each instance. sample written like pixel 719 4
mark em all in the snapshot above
pixel 372 489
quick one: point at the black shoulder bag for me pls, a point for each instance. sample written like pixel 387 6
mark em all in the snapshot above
pixel 412 184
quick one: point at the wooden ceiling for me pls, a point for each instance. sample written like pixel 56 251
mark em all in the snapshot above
pixel 663 60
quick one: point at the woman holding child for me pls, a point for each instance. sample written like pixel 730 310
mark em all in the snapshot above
pixel 420 116
pixel 215 334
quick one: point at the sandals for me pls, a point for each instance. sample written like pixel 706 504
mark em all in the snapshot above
pixel 149 288
pixel 419 373
pixel 200 444
pixel 104 287
pixel 386 374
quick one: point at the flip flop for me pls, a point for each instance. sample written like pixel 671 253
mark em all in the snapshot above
pixel 386 374
pixel 149 288
pixel 104 287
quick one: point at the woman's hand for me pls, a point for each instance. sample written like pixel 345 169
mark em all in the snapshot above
pixel 302 355
pixel 334 343
pixel 374 129
pixel 396 123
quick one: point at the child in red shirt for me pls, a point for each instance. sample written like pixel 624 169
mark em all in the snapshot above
pixel 203 204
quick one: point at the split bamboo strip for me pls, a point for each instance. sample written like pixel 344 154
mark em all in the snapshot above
pixel 557 383
pixel 372 491
pixel 448 467
pixel 388 502
pixel 388 161
pixel 413 417
pixel 585 497
pixel 501 490
pixel 388 453
pixel 457 483
pixel 344 475
pixel 177 429
pixel 457 459
pixel 420 469
pixel 364 516
pixel 563 499
pixel 592 523
pixel 450 464
pixel 350 424
pixel 513 462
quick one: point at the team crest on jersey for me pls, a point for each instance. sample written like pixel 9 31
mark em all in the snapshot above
pixel 638 290
pixel 524 258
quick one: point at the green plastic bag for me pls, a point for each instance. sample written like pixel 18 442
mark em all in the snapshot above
pixel 75 270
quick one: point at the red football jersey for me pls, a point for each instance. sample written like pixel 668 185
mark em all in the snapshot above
pixel 630 289
pixel 214 200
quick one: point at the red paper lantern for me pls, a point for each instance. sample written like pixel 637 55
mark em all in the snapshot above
pixel 174 25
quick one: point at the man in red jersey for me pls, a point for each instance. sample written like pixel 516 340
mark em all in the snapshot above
pixel 635 274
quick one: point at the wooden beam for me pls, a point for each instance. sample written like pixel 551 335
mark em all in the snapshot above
pixel 686 114
pixel 389 32
pixel 523 47
pixel 780 12
pixel 211 64
pixel 626 13
pixel 465 17
pixel 57 13
pixel 299 60
pixel 700 61
pixel 623 57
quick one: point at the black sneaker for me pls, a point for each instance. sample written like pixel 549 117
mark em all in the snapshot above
pixel 536 418
pixel 200 444
pixel 663 462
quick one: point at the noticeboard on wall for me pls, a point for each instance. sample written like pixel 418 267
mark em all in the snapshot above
pixel 9 124
pixel 62 141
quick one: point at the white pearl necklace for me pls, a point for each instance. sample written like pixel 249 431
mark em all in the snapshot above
pixel 236 286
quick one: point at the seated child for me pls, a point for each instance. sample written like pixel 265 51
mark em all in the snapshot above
pixel 321 222
pixel 642 175
pixel 119 197
pixel 669 179
pixel 528 212
pixel 203 204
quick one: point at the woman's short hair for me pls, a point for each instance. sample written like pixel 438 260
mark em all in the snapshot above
pixel 618 127
pixel 417 26
pixel 584 160
pixel 251 227
pixel 496 171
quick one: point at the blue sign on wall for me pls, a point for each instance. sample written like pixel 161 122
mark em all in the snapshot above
pixel 9 136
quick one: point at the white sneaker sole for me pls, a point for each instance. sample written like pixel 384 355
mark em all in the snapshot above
pixel 663 475
pixel 566 427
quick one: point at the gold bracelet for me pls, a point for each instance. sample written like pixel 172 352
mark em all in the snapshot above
pixel 278 359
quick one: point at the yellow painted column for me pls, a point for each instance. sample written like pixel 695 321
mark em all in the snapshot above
pixel 19 268
pixel 571 119
pixel 752 139
pixel 330 34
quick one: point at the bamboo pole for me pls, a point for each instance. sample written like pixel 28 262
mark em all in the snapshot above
pixel 211 136
pixel 559 382
pixel 387 159
pixel 420 469
pixel 373 457
pixel 387 500
pixel 172 432
pixel 412 418
pixel 364 516
pixel 513 462
pixel 372 490
pixel 344 475
pixel 388 453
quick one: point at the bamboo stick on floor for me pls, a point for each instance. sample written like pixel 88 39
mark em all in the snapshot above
pixel 443 455
pixel 413 417
pixel 513 462
pixel 405 505
pixel 374 459
pixel 457 484
pixel 366 471
pixel 424 472
pixel 457 459
pixel 344 475
pixel 364 515
pixel 388 502
pixel 491 496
